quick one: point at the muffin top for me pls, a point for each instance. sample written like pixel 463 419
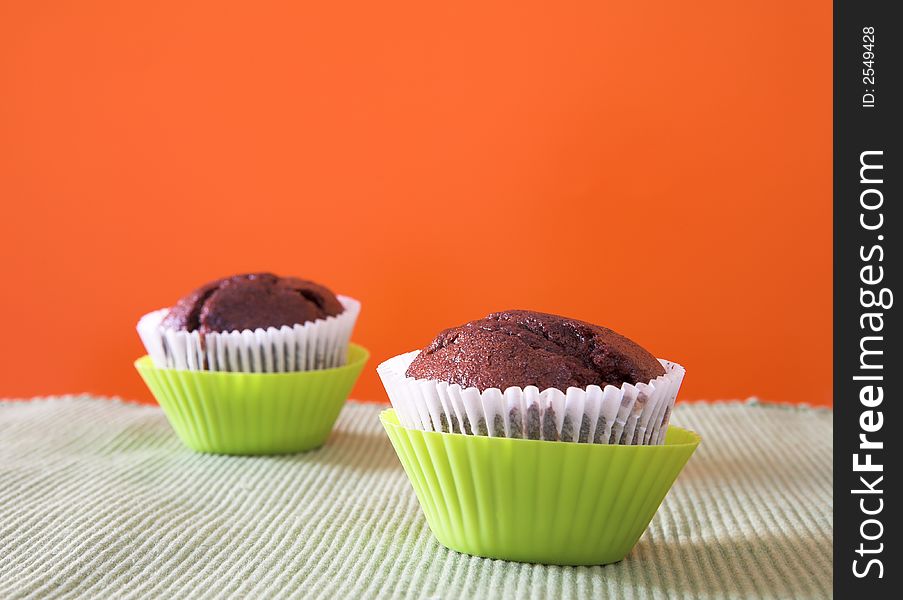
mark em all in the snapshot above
pixel 522 347
pixel 252 301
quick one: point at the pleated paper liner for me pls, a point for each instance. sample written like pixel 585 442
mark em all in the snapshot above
pixel 629 414
pixel 319 344
pixel 253 413
pixel 536 501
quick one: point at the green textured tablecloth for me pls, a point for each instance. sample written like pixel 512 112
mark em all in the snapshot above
pixel 99 499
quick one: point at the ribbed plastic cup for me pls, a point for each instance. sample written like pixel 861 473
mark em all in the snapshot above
pixel 253 413
pixel 538 501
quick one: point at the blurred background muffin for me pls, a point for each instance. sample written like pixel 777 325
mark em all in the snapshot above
pixel 252 322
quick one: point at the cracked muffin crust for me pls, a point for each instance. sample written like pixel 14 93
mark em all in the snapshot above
pixel 522 348
pixel 252 301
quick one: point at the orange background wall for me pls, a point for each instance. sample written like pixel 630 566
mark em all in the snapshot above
pixel 659 167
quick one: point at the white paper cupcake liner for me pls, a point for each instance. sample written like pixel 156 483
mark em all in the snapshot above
pixel 629 415
pixel 319 344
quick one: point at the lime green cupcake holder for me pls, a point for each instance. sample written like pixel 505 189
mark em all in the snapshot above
pixel 538 501
pixel 253 413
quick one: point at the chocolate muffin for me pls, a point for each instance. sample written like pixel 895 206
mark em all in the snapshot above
pixel 522 348
pixel 252 301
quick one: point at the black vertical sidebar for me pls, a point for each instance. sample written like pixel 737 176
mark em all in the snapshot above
pixel 868 430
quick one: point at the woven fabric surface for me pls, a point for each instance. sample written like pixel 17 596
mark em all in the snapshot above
pixel 99 499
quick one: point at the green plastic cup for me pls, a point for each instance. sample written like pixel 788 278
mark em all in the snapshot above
pixel 535 501
pixel 253 413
